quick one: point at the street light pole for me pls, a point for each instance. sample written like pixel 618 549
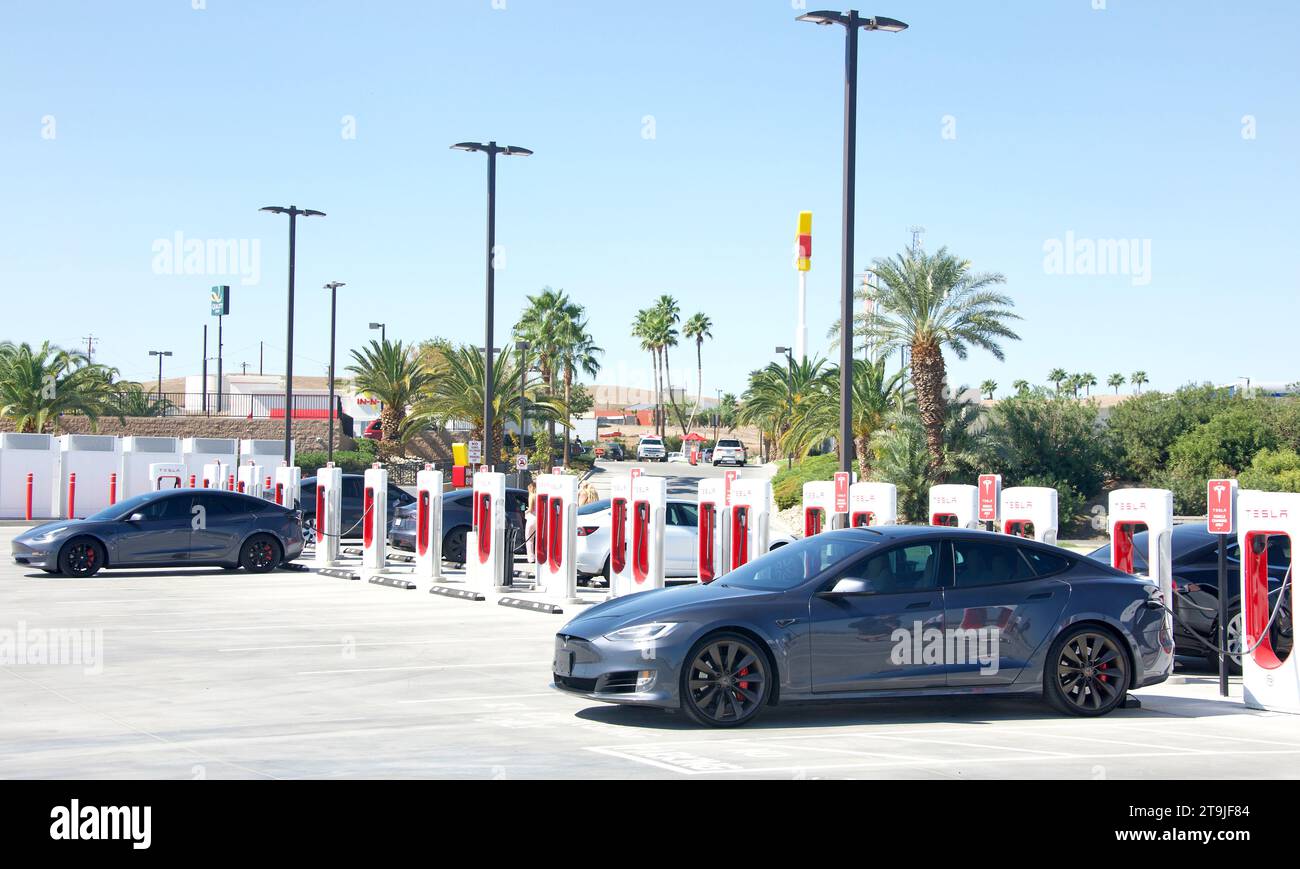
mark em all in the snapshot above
pixel 789 356
pixel 333 287
pixel 523 348
pixel 160 354
pixel 491 149
pixel 293 211
pixel 851 21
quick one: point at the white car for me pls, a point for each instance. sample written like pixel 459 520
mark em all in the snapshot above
pixel 651 449
pixel 678 457
pixel 729 450
pixel 681 537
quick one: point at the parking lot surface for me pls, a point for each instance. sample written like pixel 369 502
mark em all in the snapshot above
pixel 216 674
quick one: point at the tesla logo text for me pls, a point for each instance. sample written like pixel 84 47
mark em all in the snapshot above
pixel 922 645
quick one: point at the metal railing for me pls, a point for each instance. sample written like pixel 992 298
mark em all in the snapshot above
pixel 269 405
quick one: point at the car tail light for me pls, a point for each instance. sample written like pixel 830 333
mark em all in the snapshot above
pixel 584 530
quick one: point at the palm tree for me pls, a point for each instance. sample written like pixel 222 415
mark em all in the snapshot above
pixel 132 399
pixel 698 328
pixel 1116 380
pixel 927 302
pixel 728 410
pixel 644 329
pixel 668 315
pixel 1087 380
pixel 988 387
pixel 541 324
pixel 1057 376
pixel 816 418
pixel 38 384
pixel 1021 387
pixel 1073 383
pixel 577 353
pixel 457 394
pixel 393 373
pixel 1137 378
pixel 776 393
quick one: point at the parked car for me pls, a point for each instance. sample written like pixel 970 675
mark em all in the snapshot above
pixel 679 457
pixel 728 451
pixel 611 451
pixel 706 455
pixel 457 519
pixel 1195 556
pixel 681 540
pixel 651 449
pixel 352 505
pixel 856 613
pixel 171 528
pixel 374 430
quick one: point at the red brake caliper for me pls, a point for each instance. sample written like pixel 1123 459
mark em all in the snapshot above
pixel 744 686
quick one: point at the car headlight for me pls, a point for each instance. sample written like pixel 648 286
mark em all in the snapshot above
pixel 45 537
pixel 650 631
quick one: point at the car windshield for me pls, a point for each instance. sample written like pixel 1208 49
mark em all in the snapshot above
pixel 795 563
pixel 594 507
pixel 728 443
pixel 122 508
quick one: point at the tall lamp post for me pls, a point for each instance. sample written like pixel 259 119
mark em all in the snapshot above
pixel 293 211
pixel 383 331
pixel 491 149
pixel 523 347
pixel 852 22
pixel 333 287
pixel 160 354
pixel 789 356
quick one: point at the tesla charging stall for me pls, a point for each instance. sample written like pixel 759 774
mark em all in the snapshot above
pixel 557 572
pixel 485 556
pixel 90 460
pixel 250 481
pixel 645 538
pixel 138 455
pixel 750 500
pixel 428 523
pixel 818 506
pixel 713 551
pixel 216 475
pixel 166 475
pixel 620 528
pixel 1150 510
pixel 955 505
pixel 200 452
pixel 374 519
pixel 1030 511
pixel 288 486
pixel 267 453
pixel 1268 524
pixel 21 456
pixel 329 514
pixel 873 504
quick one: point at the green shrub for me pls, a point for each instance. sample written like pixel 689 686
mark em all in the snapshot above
pixel 1273 471
pixel 787 485
pixel 1070 503
pixel 351 461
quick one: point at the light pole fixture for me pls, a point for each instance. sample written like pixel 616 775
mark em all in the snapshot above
pixel 333 287
pixel 294 212
pixel 383 331
pixel 160 354
pixel 492 149
pixel 852 22
pixel 789 355
pixel 523 347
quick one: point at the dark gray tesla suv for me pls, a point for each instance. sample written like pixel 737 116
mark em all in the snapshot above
pixel 892 611
pixel 172 528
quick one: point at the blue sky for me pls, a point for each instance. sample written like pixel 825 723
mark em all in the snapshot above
pixel 1169 122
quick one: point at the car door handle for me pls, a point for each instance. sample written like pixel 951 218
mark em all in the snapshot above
pixel 1042 595
pixel 920 605
pixel 785 623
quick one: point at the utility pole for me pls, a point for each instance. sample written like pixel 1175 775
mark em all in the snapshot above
pixel 261 356
pixel 90 346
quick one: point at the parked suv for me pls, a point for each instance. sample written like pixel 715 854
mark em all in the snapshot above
pixel 729 450
pixel 651 449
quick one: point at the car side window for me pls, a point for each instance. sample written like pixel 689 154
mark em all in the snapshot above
pixel 177 507
pixel 978 564
pixel 902 569
pixel 1045 563
pixel 217 505
pixel 398 496
pixel 682 515
pixel 353 487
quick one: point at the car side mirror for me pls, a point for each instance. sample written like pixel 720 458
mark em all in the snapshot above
pixel 851 585
pixel 135 517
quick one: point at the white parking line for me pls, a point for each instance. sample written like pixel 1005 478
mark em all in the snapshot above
pixel 359 645
pixel 481 697
pixel 430 667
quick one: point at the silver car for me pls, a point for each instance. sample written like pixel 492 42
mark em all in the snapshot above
pixel 728 451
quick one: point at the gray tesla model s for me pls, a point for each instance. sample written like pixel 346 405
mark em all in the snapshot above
pixel 893 611
pixel 172 528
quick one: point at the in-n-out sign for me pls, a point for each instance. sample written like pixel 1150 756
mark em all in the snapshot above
pixel 990 486
pixel 1221 498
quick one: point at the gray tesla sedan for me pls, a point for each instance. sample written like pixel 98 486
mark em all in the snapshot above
pixel 172 528
pixel 893 611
